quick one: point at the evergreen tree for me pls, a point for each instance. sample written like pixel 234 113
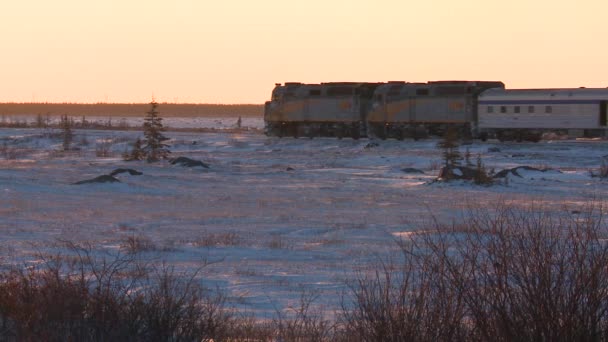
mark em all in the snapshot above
pixel 154 146
pixel 449 145
pixel 39 121
pixel 481 175
pixel 467 158
pixel 66 132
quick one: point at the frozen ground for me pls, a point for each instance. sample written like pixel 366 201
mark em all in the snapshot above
pixel 275 216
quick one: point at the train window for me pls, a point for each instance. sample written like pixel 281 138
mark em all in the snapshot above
pixel 530 109
pixel 340 91
pixel 490 109
pixel 315 92
pixel 548 109
pixel 421 92
pixel 516 110
pixel 503 109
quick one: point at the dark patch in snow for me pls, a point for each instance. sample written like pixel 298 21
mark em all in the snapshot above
pixel 411 170
pixel 289 169
pixel 513 171
pixel 187 162
pixel 493 149
pixel 371 145
pixel 460 172
pixel 130 171
pixel 100 179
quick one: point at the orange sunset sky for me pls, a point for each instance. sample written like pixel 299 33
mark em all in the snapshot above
pixel 202 51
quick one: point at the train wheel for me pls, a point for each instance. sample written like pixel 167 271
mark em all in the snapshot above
pixel 399 134
pixel 294 130
pixel 340 132
pixel 280 132
pixel 383 132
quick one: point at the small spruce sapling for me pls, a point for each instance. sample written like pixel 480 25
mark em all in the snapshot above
pixel 451 155
pixel 66 132
pixel 154 147
pixel 481 175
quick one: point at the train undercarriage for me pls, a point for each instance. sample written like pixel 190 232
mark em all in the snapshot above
pixel 311 130
pixel 537 134
pixel 416 131
pixel 359 129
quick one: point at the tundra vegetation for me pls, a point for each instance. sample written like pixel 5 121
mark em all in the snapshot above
pixel 500 274
pixel 452 161
pixel 67 135
pixel 152 148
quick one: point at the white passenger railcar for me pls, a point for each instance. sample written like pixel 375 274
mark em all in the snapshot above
pixel 525 114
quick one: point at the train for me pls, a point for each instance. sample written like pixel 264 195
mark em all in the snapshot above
pixel 399 109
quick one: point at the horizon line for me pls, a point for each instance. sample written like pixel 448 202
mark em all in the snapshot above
pixel 129 103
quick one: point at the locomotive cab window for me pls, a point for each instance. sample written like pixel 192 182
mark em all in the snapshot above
pixel 503 109
pixel 548 109
pixel 490 109
pixel 516 110
pixel 530 109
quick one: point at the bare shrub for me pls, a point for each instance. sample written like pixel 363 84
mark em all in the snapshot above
pixel 303 322
pixel 530 274
pixel 103 148
pixel 278 242
pixel 434 165
pixel 135 244
pixel 410 302
pixel 137 152
pixel 84 298
pixel 218 239
pixel 8 152
pixel 84 141
pixel 237 143
pixel 250 329
pixel 177 308
pixel 511 275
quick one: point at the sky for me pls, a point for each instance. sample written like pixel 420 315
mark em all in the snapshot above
pixel 203 51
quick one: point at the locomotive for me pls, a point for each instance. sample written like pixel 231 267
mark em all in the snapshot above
pixel 417 109
pixel 478 109
pixel 337 109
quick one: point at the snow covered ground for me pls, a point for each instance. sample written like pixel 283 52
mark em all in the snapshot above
pixel 276 217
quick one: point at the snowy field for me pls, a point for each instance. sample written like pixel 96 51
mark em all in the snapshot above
pixel 275 217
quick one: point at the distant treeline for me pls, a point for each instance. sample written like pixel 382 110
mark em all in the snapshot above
pixel 131 109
